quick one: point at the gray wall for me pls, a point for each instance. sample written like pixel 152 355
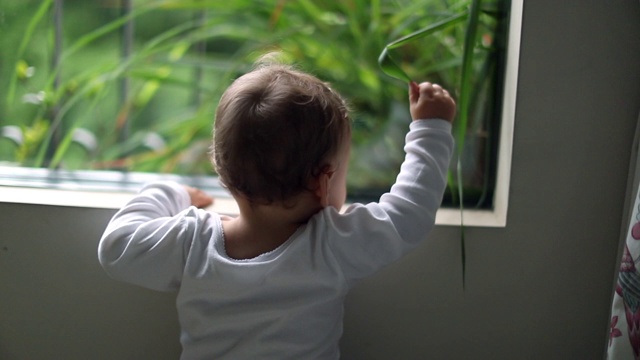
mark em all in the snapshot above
pixel 538 289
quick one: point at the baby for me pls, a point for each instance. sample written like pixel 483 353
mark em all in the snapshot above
pixel 270 282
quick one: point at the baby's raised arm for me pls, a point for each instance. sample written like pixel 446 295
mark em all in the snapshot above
pixel 430 101
pixel 373 235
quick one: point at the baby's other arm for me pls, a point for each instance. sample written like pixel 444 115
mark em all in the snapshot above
pixel 199 198
pixel 146 241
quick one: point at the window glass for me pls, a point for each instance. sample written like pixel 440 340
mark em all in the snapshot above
pixel 119 85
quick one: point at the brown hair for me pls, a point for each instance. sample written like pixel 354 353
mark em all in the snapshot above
pixel 275 129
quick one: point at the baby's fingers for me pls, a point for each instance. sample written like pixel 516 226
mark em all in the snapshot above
pixel 414 92
pixel 198 197
pixel 428 90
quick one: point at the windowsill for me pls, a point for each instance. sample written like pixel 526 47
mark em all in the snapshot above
pixel 94 189
pixel 90 199
pixel 224 204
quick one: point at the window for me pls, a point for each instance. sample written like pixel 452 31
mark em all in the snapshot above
pixel 104 95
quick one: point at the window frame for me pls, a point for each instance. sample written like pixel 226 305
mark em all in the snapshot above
pixel 497 216
pixel 67 188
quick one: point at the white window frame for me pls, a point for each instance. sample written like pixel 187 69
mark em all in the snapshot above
pixel 497 217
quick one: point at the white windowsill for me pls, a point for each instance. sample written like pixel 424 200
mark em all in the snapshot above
pixel 223 204
pixel 90 199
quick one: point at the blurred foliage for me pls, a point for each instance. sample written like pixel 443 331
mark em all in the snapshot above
pixel 185 53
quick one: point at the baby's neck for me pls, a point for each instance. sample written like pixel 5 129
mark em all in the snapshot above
pixel 259 229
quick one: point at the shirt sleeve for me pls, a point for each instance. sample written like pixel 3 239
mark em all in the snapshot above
pixel 369 237
pixel 147 241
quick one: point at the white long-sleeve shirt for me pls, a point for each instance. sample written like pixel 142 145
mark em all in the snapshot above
pixel 288 303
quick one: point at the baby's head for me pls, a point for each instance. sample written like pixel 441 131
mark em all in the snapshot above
pixel 276 130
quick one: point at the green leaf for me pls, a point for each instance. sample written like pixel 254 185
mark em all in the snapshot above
pixel 390 67
pixel 41 12
pixel 450 21
pixel 466 87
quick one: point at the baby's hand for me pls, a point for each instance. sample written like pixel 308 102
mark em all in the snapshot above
pixel 198 197
pixel 430 101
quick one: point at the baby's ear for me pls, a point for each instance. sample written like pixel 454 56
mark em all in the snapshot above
pixel 321 185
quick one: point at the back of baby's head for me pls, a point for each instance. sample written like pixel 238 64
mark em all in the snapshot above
pixel 275 129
